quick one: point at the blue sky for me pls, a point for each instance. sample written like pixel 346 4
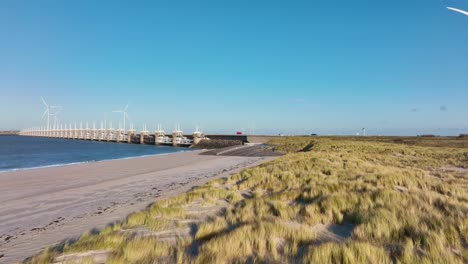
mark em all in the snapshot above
pixel 329 67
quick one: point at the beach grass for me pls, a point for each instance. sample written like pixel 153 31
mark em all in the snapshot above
pixel 328 200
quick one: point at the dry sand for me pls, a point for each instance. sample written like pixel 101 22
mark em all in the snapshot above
pixel 42 207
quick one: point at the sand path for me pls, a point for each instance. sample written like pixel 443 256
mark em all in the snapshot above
pixel 42 207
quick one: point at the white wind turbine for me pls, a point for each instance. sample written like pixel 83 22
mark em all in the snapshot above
pixel 125 115
pixel 47 111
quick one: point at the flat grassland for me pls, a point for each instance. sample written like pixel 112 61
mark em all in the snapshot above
pixel 329 200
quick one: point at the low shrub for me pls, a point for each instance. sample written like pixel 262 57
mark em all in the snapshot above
pixel 217 143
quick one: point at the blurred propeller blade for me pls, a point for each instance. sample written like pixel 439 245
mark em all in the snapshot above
pixel 458 11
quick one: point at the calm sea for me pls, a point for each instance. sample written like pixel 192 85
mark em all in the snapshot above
pixel 18 152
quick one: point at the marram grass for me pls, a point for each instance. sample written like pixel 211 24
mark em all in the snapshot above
pixel 405 199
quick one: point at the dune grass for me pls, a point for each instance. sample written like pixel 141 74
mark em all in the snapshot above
pixel 406 203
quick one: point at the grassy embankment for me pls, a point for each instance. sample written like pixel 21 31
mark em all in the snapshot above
pixel 402 200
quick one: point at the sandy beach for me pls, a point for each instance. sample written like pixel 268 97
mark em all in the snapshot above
pixel 41 207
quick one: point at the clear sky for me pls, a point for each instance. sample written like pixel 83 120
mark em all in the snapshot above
pixel 329 67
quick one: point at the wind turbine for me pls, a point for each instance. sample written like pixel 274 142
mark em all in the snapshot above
pixel 458 10
pixel 125 115
pixel 47 111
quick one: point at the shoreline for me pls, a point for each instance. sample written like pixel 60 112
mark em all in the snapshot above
pixel 45 206
pixel 90 161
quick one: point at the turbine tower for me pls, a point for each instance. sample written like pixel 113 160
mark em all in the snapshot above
pixel 125 115
pixel 56 120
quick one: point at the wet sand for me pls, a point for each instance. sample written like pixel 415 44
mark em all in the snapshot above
pixel 42 207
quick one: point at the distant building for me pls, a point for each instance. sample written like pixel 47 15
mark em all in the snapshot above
pixel 463 135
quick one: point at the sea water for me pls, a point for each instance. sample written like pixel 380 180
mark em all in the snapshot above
pixel 21 152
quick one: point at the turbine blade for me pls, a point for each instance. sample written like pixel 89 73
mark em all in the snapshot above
pixel 128 117
pixel 458 10
pixel 126 107
pixel 45 112
pixel 43 101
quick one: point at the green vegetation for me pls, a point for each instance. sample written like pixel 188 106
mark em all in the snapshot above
pixel 217 143
pixel 329 200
